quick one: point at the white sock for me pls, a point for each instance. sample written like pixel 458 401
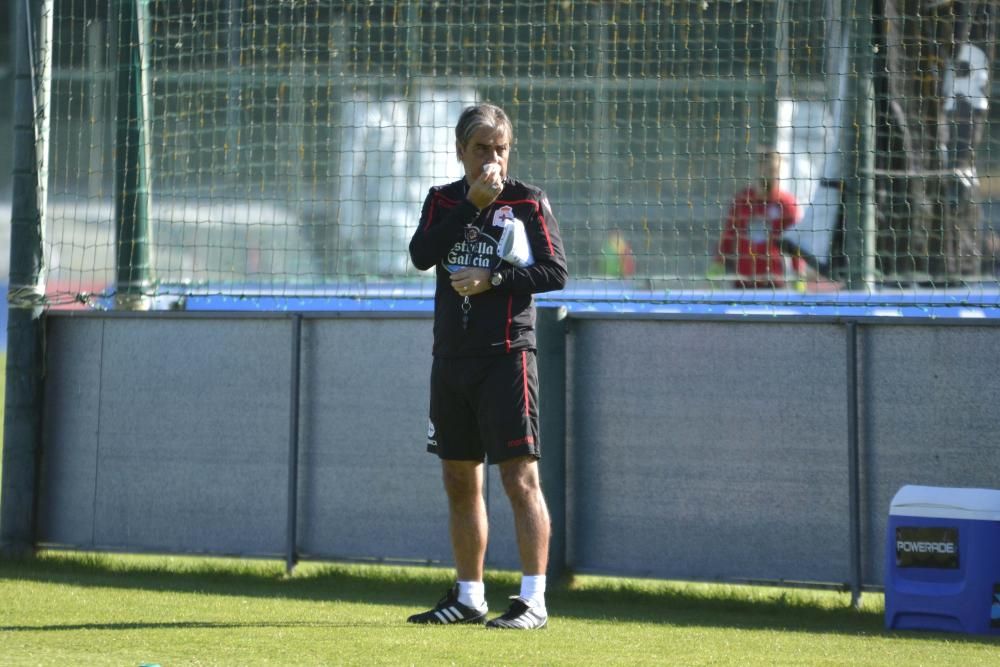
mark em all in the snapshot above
pixel 472 594
pixel 533 589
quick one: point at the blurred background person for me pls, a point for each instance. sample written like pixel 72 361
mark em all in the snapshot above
pixel 617 260
pixel 752 248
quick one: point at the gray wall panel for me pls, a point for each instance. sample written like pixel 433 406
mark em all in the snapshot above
pixel 70 431
pixel 709 450
pixel 931 398
pixel 193 435
pixel 369 489
pixel 696 449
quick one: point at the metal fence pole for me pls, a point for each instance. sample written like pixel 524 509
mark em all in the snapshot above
pixel 551 326
pixel 133 156
pixel 25 328
pixel 853 463
pixel 859 146
pixel 291 551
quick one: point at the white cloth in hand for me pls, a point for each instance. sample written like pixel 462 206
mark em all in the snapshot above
pixel 513 245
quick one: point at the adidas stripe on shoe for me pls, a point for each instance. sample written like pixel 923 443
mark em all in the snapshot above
pixel 521 616
pixel 449 610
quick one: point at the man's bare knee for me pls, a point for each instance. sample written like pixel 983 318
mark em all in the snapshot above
pixel 520 479
pixel 463 480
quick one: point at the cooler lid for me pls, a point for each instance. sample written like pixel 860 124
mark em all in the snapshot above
pixel 946 503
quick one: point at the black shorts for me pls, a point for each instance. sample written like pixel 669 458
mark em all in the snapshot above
pixel 484 408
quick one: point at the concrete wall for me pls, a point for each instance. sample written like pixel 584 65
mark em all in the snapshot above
pixel 696 449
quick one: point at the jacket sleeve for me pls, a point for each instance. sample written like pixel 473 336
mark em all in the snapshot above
pixel 439 229
pixel 549 272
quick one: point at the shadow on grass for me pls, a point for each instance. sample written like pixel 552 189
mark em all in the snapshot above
pixel 643 602
pixel 178 625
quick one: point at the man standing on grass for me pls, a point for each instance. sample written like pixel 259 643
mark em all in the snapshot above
pixel 484 382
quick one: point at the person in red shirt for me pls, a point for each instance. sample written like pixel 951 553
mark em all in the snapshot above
pixel 751 245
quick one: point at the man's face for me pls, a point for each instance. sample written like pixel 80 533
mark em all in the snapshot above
pixel 486 145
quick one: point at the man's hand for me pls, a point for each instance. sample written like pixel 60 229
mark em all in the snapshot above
pixel 470 281
pixel 484 190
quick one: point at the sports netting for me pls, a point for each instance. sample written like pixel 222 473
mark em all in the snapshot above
pixel 286 146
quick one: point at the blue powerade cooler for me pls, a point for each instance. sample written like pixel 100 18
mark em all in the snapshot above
pixel 942 560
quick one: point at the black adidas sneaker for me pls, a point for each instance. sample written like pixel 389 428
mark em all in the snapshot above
pixel 449 610
pixel 521 616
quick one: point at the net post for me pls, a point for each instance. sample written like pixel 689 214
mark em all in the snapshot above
pixel 133 157
pixel 859 148
pixel 551 332
pixel 25 326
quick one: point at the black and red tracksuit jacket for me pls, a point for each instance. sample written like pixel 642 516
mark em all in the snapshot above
pixel 453 234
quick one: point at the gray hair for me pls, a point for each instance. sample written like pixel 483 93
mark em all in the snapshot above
pixel 482 115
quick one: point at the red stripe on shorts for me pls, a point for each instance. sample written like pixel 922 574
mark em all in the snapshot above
pixel 524 379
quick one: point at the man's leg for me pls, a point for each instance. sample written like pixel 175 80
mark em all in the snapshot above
pixel 531 522
pixel 467 520
pixel 465 602
pixel 523 485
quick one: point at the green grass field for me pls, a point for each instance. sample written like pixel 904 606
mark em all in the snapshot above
pixel 80 609
pixel 86 609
